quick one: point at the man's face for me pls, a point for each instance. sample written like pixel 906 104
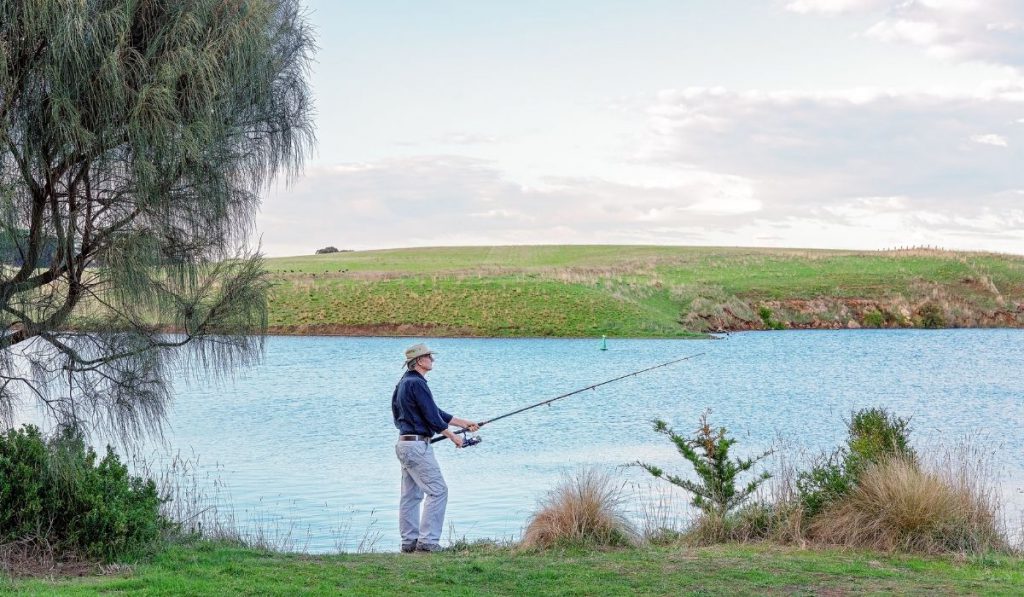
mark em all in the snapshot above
pixel 426 362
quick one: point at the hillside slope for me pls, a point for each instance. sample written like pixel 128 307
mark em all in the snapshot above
pixel 638 291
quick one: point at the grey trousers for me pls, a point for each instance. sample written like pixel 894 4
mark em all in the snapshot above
pixel 421 476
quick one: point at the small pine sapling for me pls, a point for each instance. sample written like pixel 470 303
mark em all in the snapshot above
pixel 715 492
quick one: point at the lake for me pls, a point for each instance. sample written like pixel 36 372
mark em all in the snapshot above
pixel 303 444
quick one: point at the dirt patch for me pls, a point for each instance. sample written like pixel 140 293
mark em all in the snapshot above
pixel 825 313
pixel 892 313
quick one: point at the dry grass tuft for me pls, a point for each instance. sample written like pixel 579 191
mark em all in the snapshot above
pixel 584 509
pixel 898 506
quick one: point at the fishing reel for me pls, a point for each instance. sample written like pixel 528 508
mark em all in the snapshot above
pixel 469 440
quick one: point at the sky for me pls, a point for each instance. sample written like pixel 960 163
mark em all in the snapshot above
pixel 850 124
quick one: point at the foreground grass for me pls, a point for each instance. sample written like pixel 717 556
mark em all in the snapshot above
pixel 638 291
pixel 210 569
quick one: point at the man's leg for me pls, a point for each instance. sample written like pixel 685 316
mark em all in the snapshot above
pixel 409 506
pixel 424 470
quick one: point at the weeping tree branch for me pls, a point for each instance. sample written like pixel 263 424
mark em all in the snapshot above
pixel 135 140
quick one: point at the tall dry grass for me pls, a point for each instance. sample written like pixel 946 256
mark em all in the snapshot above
pixel 584 509
pixel 946 502
pixel 199 503
pixel 662 512
pixel 898 505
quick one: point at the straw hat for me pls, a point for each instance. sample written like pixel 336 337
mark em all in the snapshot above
pixel 417 350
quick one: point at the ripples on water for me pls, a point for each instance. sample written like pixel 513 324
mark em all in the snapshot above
pixel 306 438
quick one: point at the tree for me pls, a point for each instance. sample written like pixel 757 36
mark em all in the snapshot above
pixel 135 139
pixel 715 491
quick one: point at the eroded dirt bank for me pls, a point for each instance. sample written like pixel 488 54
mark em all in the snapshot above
pixel 734 316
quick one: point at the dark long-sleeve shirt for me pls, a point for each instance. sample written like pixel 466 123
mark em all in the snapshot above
pixel 413 407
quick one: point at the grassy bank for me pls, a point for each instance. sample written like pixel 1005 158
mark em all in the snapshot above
pixel 212 569
pixel 637 291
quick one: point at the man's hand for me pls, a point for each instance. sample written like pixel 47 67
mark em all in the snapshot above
pixel 465 424
pixel 456 439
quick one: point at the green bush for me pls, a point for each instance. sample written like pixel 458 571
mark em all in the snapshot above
pixel 826 482
pixel 874 436
pixel 769 322
pixel 874 319
pixel 56 491
pixel 931 316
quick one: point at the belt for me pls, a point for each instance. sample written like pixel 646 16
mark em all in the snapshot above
pixel 414 438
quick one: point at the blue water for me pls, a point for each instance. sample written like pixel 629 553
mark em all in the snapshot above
pixel 304 442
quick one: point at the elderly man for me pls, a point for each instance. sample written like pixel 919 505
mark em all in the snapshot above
pixel 418 418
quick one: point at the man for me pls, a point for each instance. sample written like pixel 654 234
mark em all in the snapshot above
pixel 418 418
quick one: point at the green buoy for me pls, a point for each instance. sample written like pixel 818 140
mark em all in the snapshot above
pixel 604 342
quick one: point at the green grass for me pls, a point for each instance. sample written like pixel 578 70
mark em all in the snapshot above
pixel 213 569
pixel 496 306
pixel 638 291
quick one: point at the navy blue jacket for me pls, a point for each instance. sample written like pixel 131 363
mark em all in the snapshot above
pixel 413 407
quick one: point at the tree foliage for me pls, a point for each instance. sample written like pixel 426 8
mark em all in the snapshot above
pixel 135 139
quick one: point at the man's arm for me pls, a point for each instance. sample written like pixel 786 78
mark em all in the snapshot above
pixel 464 423
pixel 458 422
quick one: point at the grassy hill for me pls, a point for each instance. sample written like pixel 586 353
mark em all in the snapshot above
pixel 638 291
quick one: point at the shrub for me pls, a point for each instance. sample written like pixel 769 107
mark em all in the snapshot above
pixel 874 435
pixel 897 506
pixel 583 510
pixel 874 319
pixel 931 316
pixel 326 250
pixel 766 318
pixel 752 522
pixel 826 482
pixel 715 492
pixel 55 491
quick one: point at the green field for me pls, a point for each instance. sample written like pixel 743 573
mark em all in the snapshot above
pixel 210 569
pixel 638 291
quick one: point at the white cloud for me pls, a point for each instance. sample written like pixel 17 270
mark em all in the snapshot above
pixel 833 6
pixel 1005 26
pixel 924 33
pixel 857 160
pixel 990 139
pixel 876 145
pixel 984 30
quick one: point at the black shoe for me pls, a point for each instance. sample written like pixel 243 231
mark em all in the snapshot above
pixel 428 547
pixel 409 547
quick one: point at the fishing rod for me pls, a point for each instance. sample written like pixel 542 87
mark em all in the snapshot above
pixel 472 441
